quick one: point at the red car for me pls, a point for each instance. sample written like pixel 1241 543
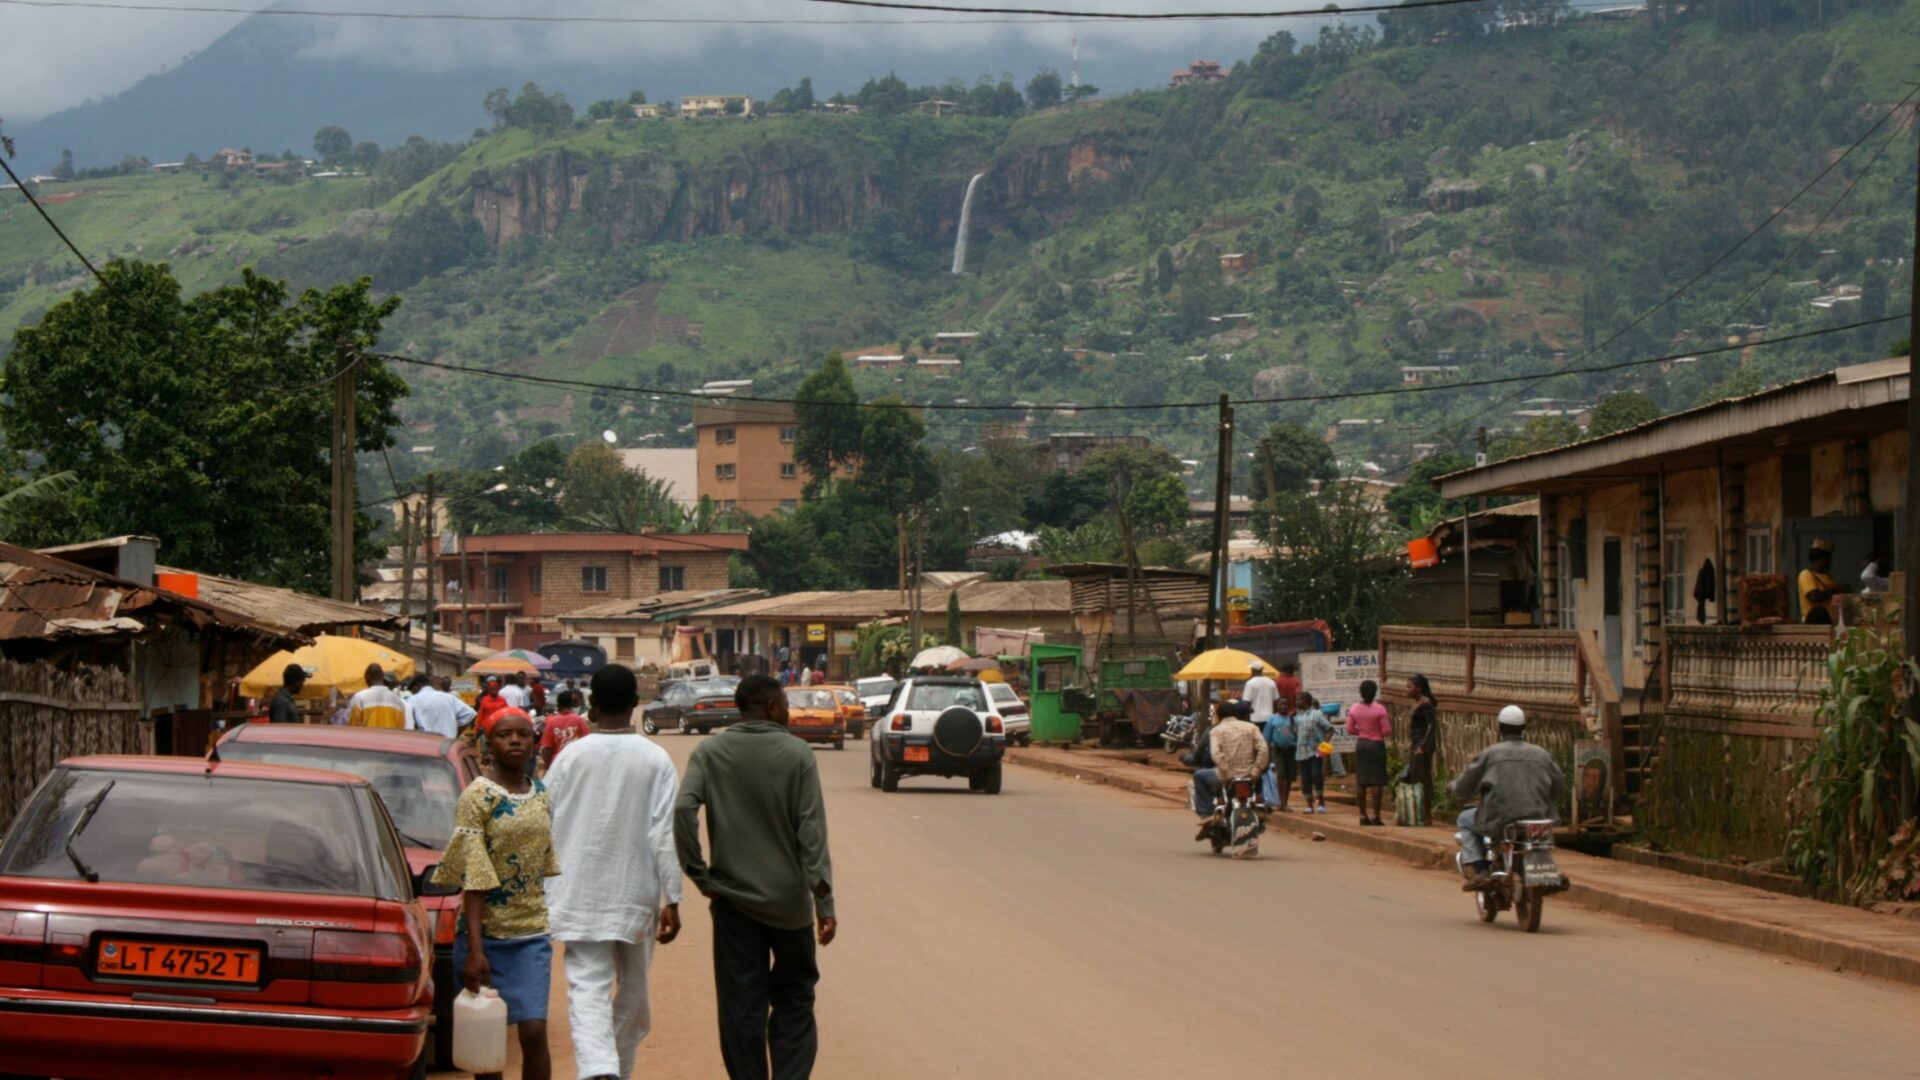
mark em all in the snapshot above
pixel 418 776
pixel 178 918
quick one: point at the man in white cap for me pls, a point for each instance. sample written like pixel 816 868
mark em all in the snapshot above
pixel 1514 781
pixel 1262 693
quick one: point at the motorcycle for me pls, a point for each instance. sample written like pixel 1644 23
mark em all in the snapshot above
pixel 1178 734
pixel 1524 874
pixel 1239 817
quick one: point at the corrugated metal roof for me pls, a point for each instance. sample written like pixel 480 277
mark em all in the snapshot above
pixel 288 609
pixel 43 597
pixel 1871 397
pixel 663 604
pixel 1003 598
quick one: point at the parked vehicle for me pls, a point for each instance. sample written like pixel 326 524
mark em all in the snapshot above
pixel 1525 873
pixel 179 918
pixel 852 711
pixel 693 671
pixel 1013 713
pixel 574 659
pixel 1238 819
pixel 813 715
pixel 418 776
pixel 1178 735
pixel 688 707
pixel 874 695
pixel 940 725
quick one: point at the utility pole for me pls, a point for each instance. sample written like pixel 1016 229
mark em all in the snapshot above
pixel 345 512
pixel 1910 605
pixel 409 530
pixel 433 575
pixel 465 626
pixel 1222 480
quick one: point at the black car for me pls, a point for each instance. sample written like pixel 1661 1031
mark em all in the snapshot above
pixel 688 707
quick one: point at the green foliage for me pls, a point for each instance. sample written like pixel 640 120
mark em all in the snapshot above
pixel 521 497
pixel 534 109
pixel 1618 412
pixel 332 144
pixel 1853 839
pixel 1538 433
pixel 1288 460
pixel 1043 90
pixel 831 424
pixel 953 635
pixel 203 422
pixel 1330 560
pixel 896 472
pixel 1417 502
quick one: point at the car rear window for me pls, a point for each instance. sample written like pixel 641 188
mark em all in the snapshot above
pixel 213 832
pixel 810 699
pixel 937 697
pixel 875 687
pixel 419 791
pixel 1003 694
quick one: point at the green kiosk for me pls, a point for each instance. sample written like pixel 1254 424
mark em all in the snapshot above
pixel 1052 671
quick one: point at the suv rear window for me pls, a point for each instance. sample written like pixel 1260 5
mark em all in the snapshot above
pixel 810 699
pixel 938 697
pixel 419 791
pixel 212 832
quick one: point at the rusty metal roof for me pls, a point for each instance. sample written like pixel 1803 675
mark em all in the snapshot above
pixel 285 608
pixel 1848 403
pixel 46 598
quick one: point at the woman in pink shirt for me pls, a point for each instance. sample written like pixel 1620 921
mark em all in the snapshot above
pixel 1368 723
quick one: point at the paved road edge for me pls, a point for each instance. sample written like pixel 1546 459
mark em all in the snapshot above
pixel 1697 920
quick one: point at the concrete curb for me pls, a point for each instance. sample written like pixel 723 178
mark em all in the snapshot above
pixel 1835 953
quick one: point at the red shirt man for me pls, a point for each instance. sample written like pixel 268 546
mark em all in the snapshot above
pixel 563 727
pixel 1288 684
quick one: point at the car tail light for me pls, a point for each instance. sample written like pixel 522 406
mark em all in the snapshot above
pixel 351 956
pixel 22 934
pixel 993 725
pixel 899 722
pixel 445 926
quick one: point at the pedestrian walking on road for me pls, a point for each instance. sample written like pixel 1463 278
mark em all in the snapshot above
pixel 1279 734
pixel 1423 735
pixel 283 709
pixel 433 709
pixel 489 702
pixel 1287 685
pixel 770 882
pixel 563 727
pixel 1371 727
pixel 1310 729
pixel 501 855
pixel 1261 694
pixel 377 705
pixel 613 805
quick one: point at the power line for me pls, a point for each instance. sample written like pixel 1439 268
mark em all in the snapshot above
pixel 1155 16
pixel 52 224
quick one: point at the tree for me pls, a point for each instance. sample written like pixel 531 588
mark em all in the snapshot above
pixel 1416 501
pixel 64 170
pixel 1082 92
pixel 638 97
pixel 954 636
pixel 803 95
pixel 828 413
pixel 332 144
pixel 498 104
pixel 1043 90
pixel 425 241
pixel 366 155
pixel 896 471
pixel 1618 412
pixel 600 494
pixel 1539 433
pixel 202 421
pixel 522 496
pixel 1330 559
pixel 1288 459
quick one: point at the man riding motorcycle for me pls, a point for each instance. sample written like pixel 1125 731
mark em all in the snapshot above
pixel 1235 749
pixel 1514 781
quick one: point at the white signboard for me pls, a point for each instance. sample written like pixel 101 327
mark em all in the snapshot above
pixel 1336 677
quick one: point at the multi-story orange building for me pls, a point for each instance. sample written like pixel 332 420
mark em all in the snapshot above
pixel 745 451
pixel 510 589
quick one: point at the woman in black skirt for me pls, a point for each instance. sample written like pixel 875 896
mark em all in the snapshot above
pixel 1371 727
pixel 1423 734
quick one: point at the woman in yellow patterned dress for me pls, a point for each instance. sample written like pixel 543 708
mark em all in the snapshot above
pixel 500 855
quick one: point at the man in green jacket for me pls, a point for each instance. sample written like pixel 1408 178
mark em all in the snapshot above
pixel 770 881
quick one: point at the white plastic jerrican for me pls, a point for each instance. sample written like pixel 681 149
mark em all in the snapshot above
pixel 479 1031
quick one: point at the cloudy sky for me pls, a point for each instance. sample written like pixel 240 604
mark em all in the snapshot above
pixel 64 56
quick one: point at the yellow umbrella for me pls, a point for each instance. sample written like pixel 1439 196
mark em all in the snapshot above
pixel 332 663
pixel 1219 665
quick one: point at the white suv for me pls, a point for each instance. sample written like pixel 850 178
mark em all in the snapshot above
pixel 939 725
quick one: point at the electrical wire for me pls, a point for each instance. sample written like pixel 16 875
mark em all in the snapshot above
pixel 1329 10
pixel 968 19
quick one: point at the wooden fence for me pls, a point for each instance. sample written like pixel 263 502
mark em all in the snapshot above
pixel 1741 713
pixel 47 714
pixel 1557 676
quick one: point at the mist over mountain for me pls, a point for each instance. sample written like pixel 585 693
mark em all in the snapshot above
pixel 270 82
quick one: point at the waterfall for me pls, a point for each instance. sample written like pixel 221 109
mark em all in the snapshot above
pixel 966 220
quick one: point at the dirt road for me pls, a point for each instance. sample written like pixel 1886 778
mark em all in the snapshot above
pixel 1062 930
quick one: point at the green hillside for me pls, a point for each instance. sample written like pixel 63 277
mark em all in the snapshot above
pixel 1413 193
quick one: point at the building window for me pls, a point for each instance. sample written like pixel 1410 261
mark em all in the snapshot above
pixel 623 648
pixel 500 591
pixel 723 472
pixel 1673 564
pixel 673 578
pixel 593 579
pixel 788 470
pixel 728 504
pixel 789 504
pixel 789 434
pixel 1759 549
pixel 723 435
pixel 1563 586
pixel 533 580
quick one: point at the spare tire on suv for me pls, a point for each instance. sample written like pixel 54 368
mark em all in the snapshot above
pixel 958 731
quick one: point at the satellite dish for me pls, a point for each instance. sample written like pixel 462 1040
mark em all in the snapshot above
pixel 610 437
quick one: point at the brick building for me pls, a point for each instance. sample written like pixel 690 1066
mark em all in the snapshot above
pixel 510 589
pixel 745 456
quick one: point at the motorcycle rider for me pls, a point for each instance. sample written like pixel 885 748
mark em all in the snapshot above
pixel 1234 749
pixel 1514 781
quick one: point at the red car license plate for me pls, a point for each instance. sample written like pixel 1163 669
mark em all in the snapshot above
pixel 917 753
pixel 186 963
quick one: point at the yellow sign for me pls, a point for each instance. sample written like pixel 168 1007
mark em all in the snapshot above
pixel 1239 598
pixel 816 633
